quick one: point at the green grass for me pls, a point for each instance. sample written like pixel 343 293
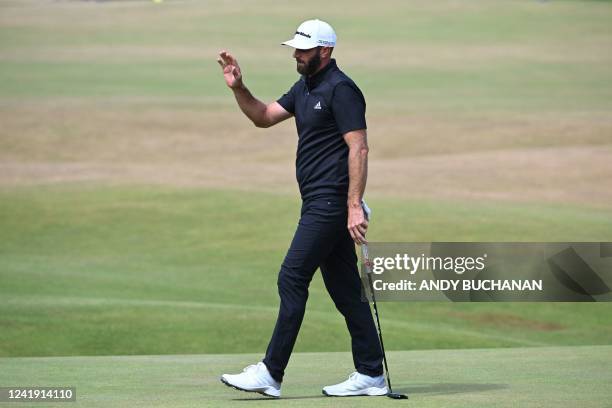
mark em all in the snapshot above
pixel 514 86
pixel 96 270
pixel 550 56
pixel 561 377
pixel 93 272
pixel 119 269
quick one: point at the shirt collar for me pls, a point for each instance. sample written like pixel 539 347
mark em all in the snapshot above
pixel 316 79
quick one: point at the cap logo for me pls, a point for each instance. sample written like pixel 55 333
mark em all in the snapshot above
pixel 302 34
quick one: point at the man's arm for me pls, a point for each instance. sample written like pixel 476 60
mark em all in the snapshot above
pixel 261 115
pixel 357 142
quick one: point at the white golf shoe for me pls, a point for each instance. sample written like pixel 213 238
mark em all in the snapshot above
pixel 254 378
pixel 358 384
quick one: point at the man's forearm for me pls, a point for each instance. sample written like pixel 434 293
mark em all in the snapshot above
pixel 358 174
pixel 252 107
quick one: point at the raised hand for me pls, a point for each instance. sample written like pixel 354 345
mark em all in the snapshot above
pixel 231 70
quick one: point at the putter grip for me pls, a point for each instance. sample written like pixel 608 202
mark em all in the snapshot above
pixel 366 210
pixel 364 247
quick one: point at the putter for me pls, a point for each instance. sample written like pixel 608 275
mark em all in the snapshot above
pixel 368 267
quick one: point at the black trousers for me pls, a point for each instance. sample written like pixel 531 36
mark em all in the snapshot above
pixel 322 240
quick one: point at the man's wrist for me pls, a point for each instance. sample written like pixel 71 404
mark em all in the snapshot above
pixel 238 88
pixel 353 204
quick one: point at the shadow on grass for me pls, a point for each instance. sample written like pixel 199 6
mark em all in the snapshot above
pixel 433 389
pixel 279 399
pixel 447 388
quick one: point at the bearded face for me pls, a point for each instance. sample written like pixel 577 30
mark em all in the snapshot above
pixel 308 61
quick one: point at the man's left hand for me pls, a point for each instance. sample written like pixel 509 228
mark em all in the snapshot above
pixel 357 225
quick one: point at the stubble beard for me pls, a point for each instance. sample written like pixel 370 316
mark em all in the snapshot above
pixel 312 66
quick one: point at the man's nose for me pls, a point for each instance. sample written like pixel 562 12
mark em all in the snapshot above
pixel 295 53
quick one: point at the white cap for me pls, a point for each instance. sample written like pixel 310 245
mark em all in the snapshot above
pixel 311 34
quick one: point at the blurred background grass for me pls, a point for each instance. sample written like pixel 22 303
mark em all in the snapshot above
pixel 140 213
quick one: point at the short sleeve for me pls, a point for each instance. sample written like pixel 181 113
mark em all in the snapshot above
pixel 348 106
pixel 287 101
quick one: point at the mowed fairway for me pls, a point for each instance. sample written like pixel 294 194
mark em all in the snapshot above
pixel 142 214
pixel 134 270
pixel 564 377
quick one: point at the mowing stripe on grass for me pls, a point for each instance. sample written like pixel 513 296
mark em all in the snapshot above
pixel 441 328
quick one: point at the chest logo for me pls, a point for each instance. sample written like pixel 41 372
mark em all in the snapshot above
pixel 318 106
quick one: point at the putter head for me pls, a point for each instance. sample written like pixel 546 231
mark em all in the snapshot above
pixel 395 395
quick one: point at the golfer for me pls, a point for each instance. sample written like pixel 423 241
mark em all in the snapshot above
pixel 331 170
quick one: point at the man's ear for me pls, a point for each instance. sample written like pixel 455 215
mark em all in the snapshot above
pixel 326 52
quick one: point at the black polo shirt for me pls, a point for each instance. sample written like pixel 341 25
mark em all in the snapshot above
pixel 326 106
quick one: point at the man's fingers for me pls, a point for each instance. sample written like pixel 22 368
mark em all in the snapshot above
pixel 352 235
pixel 357 235
pixel 226 57
pixel 232 59
pixel 358 231
pixel 220 61
pixel 362 238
